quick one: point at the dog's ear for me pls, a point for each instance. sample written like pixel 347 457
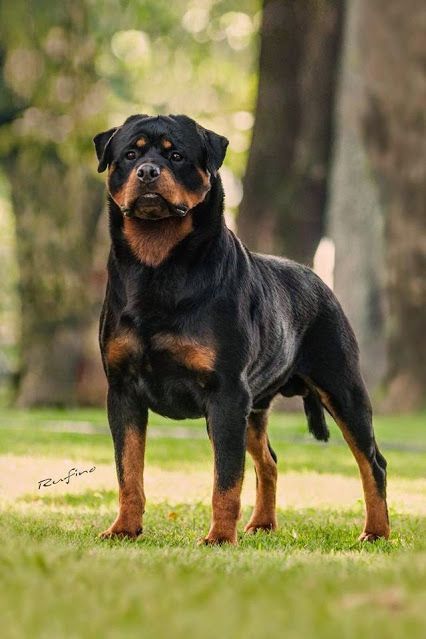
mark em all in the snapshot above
pixel 215 146
pixel 102 143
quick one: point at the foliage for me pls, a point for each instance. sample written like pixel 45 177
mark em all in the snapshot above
pixel 9 302
pixel 73 68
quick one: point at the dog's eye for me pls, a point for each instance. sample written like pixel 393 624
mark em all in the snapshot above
pixel 131 155
pixel 176 157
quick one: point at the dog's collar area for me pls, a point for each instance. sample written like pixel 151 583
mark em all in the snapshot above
pixel 182 210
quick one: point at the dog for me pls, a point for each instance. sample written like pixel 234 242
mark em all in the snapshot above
pixel 195 325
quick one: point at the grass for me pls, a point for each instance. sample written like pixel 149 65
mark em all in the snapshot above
pixel 310 579
pixel 30 433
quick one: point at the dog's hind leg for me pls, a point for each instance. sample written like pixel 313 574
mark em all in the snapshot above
pixel 351 409
pixel 265 463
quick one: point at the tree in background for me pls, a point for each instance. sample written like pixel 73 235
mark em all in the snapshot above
pixel 377 206
pixel 73 68
pixel 285 185
pixel 48 69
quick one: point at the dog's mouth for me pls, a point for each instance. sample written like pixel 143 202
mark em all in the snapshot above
pixel 153 206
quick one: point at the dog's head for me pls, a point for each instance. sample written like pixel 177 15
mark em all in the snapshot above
pixel 159 166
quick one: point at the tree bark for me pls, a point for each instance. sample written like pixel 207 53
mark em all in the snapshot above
pixel 57 209
pixel 355 214
pixel 50 87
pixel 376 212
pixel 393 54
pixel 285 185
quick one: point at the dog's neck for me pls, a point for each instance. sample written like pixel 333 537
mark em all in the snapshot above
pixel 207 249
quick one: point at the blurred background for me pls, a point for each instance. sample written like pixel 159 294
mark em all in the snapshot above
pixel 323 104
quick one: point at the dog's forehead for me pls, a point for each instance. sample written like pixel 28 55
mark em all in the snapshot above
pixel 181 132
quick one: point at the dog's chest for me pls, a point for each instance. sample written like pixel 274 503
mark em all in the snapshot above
pixel 172 371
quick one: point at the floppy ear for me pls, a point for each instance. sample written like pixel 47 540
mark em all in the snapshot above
pixel 102 142
pixel 215 146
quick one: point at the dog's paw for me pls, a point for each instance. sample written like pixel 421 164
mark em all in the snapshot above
pixel 370 536
pixel 119 532
pixel 219 540
pixel 253 527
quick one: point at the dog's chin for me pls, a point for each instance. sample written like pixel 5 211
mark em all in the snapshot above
pixel 149 207
pixel 150 213
pixel 152 207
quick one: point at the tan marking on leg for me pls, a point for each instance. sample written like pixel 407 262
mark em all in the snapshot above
pixel 186 351
pixel 121 347
pixel 264 513
pixel 152 242
pixel 131 491
pixel 226 507
pixel 377 519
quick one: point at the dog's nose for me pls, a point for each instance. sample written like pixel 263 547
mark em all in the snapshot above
pixel 148 172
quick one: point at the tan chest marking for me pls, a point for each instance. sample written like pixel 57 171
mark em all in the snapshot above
pixel 186 351
pixel 151 242
pixel 121 347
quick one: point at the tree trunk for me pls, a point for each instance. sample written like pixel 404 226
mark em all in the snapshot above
pixel 376 213
pixel 286 179
pixel 50 107
pixel 57 208
pixel 355 214
pixel 393 48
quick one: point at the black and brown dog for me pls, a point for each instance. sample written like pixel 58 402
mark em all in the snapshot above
pixel 195 325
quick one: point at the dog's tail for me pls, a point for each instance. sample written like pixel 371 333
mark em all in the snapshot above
pixel 315 416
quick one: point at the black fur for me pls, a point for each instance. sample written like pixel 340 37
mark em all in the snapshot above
pixel 274 326
pixel 315 416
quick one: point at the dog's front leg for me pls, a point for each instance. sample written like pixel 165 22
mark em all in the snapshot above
pixel 128 418
pixel 227 423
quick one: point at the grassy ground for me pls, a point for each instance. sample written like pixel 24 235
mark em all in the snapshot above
pixel 310 579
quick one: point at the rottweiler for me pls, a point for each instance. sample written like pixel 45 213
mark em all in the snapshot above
pixel 196 325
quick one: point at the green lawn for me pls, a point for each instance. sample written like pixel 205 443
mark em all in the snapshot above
pixel 30 433
pixel 310 579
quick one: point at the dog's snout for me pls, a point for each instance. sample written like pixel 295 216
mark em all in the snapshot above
pixel 148 172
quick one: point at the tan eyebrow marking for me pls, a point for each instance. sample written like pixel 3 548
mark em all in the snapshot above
pixel 166 144
pixel 142 142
